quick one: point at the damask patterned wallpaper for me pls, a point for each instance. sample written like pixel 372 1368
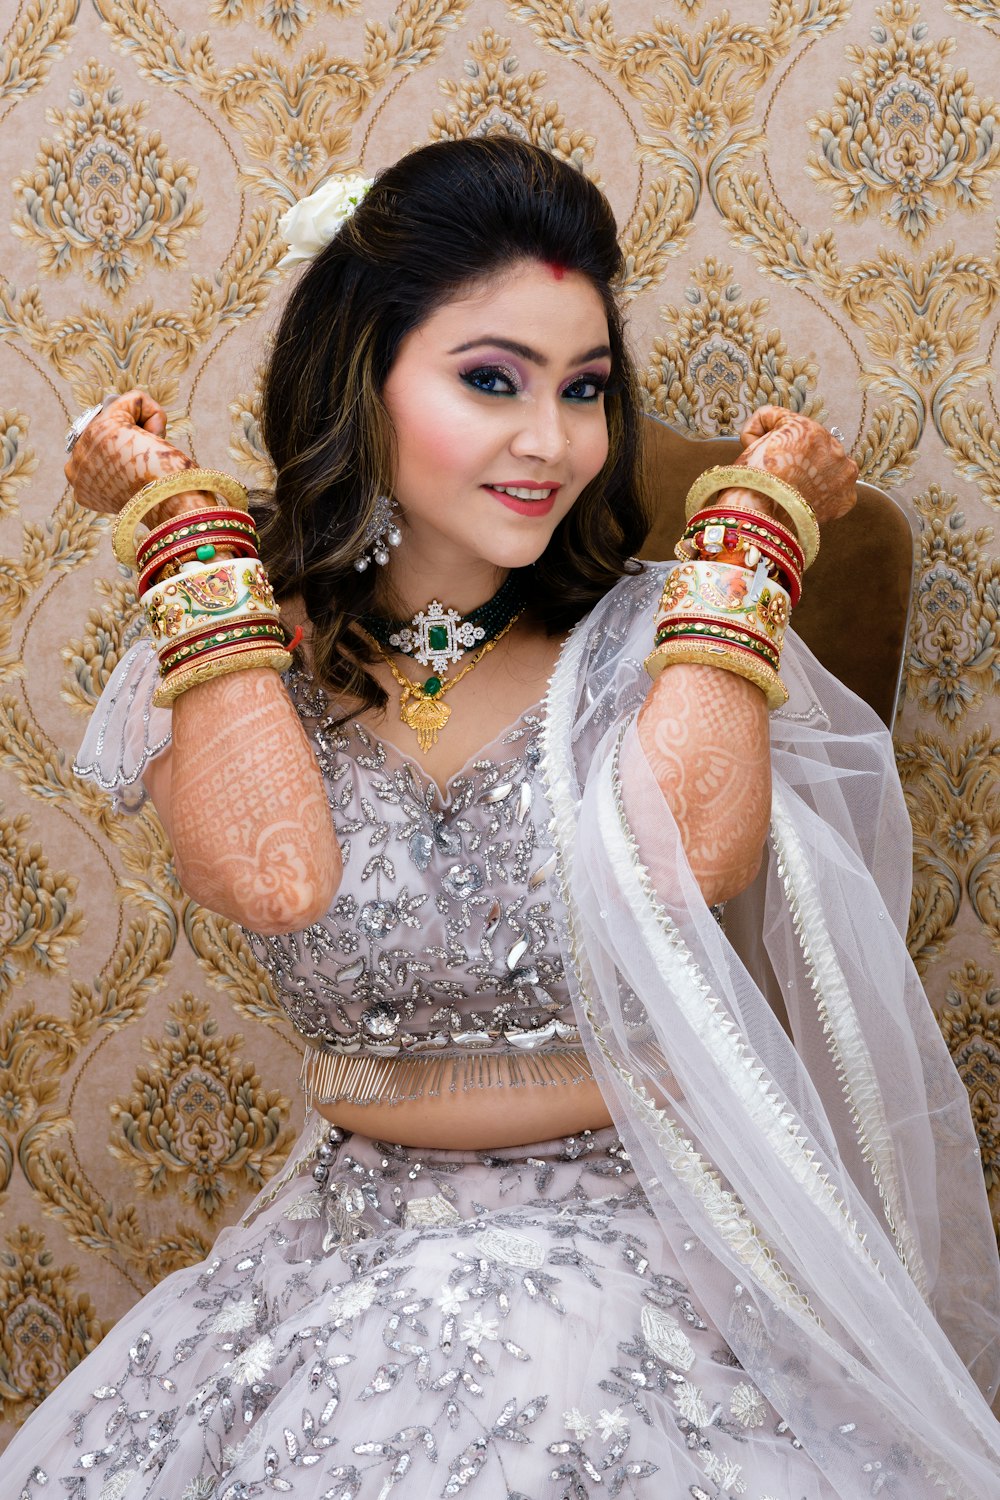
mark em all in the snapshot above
pixel 806 195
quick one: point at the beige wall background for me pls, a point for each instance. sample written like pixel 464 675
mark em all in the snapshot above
pixel 806 193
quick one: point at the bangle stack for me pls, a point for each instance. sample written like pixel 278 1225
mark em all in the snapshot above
pixel 209 603
pixel 727 602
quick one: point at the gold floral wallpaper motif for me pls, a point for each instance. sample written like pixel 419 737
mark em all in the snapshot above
pixel 104 198
pixel 199 1114
pixel 723 361
pixel 908 139
pixel 806 191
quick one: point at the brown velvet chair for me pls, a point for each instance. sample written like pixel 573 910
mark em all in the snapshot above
pixel 854 612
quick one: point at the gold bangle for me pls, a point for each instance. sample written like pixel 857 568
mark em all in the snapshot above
pixel 123 535
pixel 220 666
pixel 743 663
pixel 740 476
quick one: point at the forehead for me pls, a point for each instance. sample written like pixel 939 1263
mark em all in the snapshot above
pixel 529 296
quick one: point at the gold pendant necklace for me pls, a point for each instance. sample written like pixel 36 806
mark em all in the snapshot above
pixel 426 715
pixel 420 704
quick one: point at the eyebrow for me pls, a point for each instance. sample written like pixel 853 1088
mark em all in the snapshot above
pixel 524 351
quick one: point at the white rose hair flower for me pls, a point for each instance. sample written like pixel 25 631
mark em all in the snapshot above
pixel 309 225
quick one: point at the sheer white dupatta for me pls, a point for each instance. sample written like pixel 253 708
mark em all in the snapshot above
pixel 125 731
pixel 820 1185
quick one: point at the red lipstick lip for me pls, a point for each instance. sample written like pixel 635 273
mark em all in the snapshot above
pixel 526 507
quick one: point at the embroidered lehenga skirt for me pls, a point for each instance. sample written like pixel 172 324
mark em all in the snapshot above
pixel 500 1324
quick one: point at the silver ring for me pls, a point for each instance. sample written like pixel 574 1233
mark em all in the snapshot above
pixel 83 419
pixel 835 432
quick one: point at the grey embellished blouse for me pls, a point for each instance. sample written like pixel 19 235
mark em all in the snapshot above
pixel 441 945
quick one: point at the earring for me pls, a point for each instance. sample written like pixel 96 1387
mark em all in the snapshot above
pixel 381 533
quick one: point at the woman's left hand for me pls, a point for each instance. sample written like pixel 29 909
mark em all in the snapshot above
pixel 804 454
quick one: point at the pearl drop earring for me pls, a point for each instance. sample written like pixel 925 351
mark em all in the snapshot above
pixel 381 533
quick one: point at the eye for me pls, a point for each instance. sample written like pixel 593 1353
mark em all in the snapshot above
pixel 493 380
pixel 586 388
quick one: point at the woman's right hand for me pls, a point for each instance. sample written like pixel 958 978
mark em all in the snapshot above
pixel 120 450
pixel 805 455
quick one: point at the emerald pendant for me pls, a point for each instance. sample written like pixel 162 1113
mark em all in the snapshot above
pixel 432 686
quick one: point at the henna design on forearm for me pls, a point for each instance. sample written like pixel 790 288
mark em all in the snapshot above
pixel 251 824
pixel 705 735
pixel 246 809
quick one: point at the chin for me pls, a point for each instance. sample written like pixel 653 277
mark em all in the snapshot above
pixel 505 550
pixel 515 556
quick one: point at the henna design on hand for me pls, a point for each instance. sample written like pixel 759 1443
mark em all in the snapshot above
pixel 122 449
pixel 804 454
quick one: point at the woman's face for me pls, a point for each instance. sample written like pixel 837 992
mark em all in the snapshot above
pixel 498 409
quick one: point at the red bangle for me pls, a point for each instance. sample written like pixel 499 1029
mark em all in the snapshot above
pixel 193 524
pixel 226 648
pixel 767 539
pixel 712 630
pixel 735 515
pixel 240 639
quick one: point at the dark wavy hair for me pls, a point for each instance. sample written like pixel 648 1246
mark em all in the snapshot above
pixel 443 218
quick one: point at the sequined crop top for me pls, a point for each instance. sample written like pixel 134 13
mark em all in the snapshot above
pixel 441 943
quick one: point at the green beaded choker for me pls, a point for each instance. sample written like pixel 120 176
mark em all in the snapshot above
pixel 437 637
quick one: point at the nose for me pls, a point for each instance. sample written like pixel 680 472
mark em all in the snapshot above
pixel 541 431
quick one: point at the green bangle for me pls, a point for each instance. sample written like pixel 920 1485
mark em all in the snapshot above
pixel 174 657
pixel 721 633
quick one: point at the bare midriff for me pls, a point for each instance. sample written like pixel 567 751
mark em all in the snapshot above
pixel 478 1119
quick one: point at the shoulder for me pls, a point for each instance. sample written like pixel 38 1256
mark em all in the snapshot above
pixel 636 591
pixel 624 612
pixel 601 670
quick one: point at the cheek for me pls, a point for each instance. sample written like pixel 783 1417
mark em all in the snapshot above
pixel 597 450
pixel 437 448
pixel 431 436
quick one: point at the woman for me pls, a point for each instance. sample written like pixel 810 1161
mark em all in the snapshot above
pixel 627 1237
